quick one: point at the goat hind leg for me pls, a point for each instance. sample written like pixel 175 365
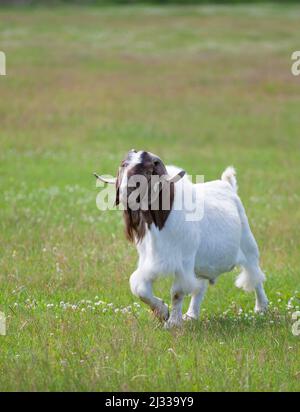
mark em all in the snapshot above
pixel 251 279
pixel 261 303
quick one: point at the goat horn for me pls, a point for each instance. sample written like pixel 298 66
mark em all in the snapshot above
pixel 175 178
pixel 111 181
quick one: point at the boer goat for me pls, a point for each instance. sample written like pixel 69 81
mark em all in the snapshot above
pixel 195 251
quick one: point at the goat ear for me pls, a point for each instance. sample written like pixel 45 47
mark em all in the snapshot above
pixel 175 178
pixel 118 181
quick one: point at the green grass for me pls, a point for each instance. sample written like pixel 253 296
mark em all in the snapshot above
pixel 203 87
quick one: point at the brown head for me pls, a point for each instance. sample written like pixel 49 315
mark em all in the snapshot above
pixel 146 191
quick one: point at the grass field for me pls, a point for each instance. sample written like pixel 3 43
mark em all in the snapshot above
pixel 203 87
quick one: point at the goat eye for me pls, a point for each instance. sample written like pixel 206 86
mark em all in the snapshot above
pixel 156 163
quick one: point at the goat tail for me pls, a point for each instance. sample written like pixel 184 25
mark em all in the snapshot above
pixel 229 175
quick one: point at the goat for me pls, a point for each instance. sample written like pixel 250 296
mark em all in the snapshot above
pixel 194 252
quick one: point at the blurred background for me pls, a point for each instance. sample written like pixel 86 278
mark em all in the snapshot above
pixel 203 85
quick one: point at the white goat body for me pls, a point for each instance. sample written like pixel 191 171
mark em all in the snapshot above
pixel 171 242
pixel 201 249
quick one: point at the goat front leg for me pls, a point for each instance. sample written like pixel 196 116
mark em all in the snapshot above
pixel 196 300
pixel 175 318
pixel 182 285
pixel 141 286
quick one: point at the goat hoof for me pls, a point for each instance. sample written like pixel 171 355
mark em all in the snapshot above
pixel 162 312
pixel 187 317
pixel 173 323
pixel 261 308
